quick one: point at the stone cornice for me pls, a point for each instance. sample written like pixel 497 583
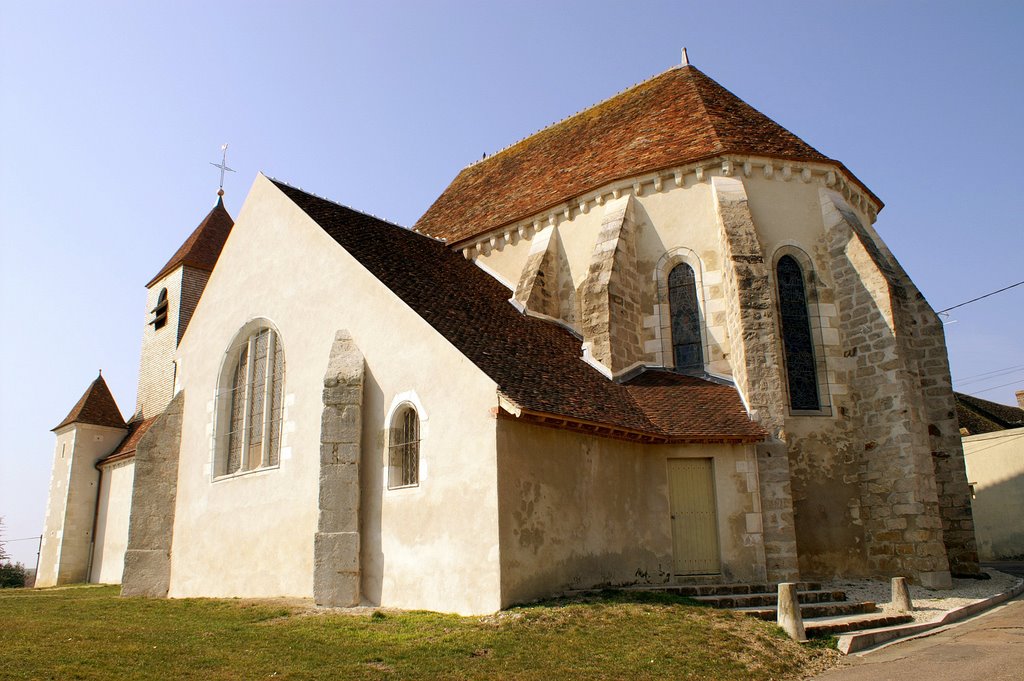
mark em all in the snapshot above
pixel 828 174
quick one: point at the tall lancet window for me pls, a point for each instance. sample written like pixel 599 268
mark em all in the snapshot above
pixel 687 349
pixel 797 340
pixel 251 403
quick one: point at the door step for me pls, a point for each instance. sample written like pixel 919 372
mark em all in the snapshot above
pixel 830 626
pixel 813 611
pixel 767 599
pixel 698 591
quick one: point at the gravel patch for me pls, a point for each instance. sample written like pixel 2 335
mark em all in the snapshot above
pixel 929 604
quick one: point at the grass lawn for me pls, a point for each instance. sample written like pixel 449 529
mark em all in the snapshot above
pixel 93 633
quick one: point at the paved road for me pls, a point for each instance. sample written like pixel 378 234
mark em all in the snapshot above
pixel 989 647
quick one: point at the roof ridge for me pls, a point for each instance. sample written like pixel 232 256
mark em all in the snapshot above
pixel 707 113
pixel 562 120
pixel 350 208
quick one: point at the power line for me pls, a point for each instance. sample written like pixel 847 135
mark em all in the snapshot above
pixel 974 300
pixel 994 371
pixel 994 376
pixel 5 541
pixel 995 387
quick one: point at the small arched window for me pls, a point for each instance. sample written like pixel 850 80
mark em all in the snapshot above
pixel 160 311
pixel 404 448
pixel 687 349
pixel 797 340
pixel 251 403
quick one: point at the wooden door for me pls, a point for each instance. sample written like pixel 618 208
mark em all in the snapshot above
pixel 691 485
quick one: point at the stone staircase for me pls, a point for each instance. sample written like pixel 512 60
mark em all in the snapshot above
pixel 825 612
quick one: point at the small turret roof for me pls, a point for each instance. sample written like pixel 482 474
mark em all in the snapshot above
pixel 678 117
pixel 96 407
pixel 203 246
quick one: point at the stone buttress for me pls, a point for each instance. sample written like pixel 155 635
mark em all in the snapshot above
pixel 147 560
pixel 757 368
pixel 336 564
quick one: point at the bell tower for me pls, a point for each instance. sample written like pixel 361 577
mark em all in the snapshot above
pixel 171 298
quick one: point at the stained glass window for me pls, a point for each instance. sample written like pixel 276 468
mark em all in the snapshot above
pixel 253 434
pixel 682 302
pixel 797 341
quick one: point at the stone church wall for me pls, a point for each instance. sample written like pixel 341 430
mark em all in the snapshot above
pixel 70 512
pixel 156 367
pixel 433 546
pixel 886 411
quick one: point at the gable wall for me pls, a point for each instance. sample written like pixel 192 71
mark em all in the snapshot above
pixel 433 546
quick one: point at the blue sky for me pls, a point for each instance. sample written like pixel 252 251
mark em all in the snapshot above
pixel 111 112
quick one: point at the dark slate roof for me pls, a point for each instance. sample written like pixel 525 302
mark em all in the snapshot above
pixel 982 416
pixel 535 363
pixel 96 407
pixel 126 450
pixel 678 117
pixel 203 246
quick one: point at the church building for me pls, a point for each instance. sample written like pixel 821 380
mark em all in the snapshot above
pixel 657 341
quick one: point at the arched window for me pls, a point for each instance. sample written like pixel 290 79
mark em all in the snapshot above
pixel 404 448
pixel 687 349
pixel 797 340
pixel 251 403
pixel 160 311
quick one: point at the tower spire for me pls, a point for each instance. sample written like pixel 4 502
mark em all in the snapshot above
pixel 223 165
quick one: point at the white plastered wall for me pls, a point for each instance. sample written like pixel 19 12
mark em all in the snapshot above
pixel 434 546
pixel 70 510
pixel 995 470
pixel 114 508
pixel 580 511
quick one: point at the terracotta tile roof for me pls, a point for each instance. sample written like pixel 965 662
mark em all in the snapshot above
pixel 126 450
pixel 96 407
pixel 982 416
pixel 535 363
pixel 679 117
pixel 690 408
pixel 203 246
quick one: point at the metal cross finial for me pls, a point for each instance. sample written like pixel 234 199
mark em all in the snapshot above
pixel 223 165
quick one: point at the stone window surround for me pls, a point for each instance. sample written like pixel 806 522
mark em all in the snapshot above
pixel 663 327
pixel 814 317
pixel 221 406
pixel 408 398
